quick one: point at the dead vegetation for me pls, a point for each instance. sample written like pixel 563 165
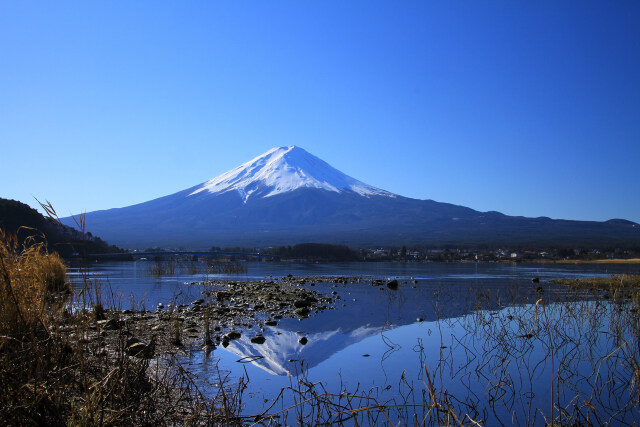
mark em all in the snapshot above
pixel 625 281
pixel 63 363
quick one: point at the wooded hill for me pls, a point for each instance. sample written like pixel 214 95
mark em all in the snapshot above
pixel 25 222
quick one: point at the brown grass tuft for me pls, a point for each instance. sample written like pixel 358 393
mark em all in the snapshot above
pixel 30 279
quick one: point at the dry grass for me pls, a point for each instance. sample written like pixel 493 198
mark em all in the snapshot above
pixel 58 367
pixel 29 280
pixel 625 281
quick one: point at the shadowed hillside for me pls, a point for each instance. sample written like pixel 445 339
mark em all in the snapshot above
pixel 27 223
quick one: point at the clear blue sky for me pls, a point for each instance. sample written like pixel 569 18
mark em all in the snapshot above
pixel 526 107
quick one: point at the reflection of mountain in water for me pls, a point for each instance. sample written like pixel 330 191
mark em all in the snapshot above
pixel 375 310
pixel 281 350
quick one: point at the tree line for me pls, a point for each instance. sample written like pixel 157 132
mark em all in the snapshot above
pixel 27 223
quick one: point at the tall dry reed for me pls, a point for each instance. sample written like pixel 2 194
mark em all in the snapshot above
pixel 30 280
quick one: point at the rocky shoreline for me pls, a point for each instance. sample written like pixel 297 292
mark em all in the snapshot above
pixel 153 342
pixel 226 310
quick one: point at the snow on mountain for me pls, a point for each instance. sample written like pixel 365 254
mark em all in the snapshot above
pixel 285 169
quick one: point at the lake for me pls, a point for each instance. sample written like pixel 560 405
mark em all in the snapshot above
pixel 472 342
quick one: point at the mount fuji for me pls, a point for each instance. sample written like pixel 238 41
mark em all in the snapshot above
pixel 288 196
pixel 285 169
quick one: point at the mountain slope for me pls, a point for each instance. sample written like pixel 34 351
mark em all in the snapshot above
pixel 288 196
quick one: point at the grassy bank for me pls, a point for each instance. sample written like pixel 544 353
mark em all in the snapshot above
pixel 59 366
pixel 623 282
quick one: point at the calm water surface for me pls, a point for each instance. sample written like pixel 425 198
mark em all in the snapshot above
pixel 464 325
pixel 131 280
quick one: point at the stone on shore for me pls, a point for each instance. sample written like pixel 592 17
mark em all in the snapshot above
pixel 258 339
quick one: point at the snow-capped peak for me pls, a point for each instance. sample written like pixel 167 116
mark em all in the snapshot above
pixel 285 169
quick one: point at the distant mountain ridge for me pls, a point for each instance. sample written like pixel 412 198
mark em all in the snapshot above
pixel 288 196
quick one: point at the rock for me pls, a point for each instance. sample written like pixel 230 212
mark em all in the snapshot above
pixel 110 325
pixel 198 302
pixel 302 303
pixel 420 319
pixel 535 280
pixel 258 339
pixel 222 295
pixel 393 285
pixel 208 346
pixel 271 323
pixel 231 335
pixel 302 311
pixel 140 348
pixel 303 341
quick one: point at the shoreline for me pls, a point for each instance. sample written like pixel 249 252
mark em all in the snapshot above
pixel 134 359
pixel 587 261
